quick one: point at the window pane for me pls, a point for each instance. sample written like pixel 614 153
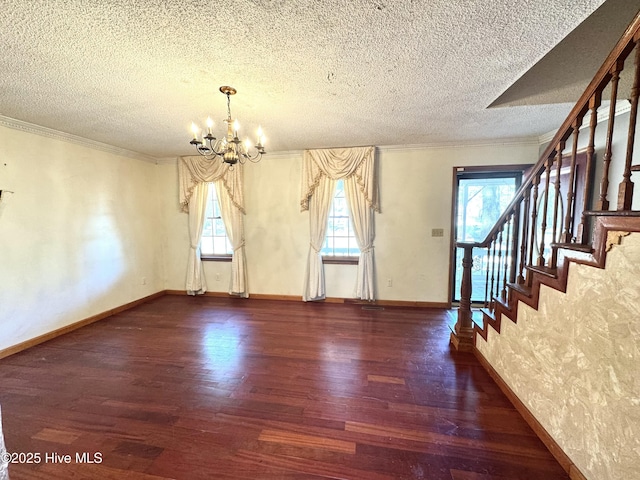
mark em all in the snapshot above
pixel 340 207
pixel 219 245
pixel 481 200
pixel 207 228
pixel 341 226
pixel 206 246
pixel 219 228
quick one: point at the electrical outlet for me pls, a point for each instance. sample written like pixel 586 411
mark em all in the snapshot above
pixel 144 280
pixel 217 277
pixel 389 283
pixel 437 232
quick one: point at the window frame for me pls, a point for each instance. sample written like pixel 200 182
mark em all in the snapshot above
pixel 340 259
pixel 215 257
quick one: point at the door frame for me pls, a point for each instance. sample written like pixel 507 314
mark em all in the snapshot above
pixel 522 169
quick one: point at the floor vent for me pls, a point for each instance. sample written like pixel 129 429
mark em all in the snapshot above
pixel 372 307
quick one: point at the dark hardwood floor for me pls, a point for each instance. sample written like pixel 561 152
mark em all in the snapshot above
pixel 211 388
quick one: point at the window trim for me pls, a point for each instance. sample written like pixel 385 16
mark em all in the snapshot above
pixel 216 257
pixel 341 260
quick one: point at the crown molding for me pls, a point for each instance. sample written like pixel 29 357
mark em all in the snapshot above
pixel 70 138
pixel 528 141
pixel 622 106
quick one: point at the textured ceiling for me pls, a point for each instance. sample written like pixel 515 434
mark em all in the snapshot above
pixel 134 74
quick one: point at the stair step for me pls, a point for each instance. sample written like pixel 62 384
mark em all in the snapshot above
pixel 521 288
pixel 612 213
pixel 477 317
pixel 576 247
pixel 546 271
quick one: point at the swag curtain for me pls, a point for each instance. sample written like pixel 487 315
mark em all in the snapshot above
pixel 194 174
pixel 320 170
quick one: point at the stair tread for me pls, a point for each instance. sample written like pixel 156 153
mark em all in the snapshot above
pixel 524 289
pixel 579 247
pixel 544 270
pixel 612 213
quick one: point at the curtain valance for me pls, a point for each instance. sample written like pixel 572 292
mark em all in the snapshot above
pixel 197 169
pixel 336 163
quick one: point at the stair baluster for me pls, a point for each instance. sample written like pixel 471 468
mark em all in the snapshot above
pixel 503 292
pixel 603 203
pixel 534 220
pixel 545 211
pixel 584 227
pixel 567 235
pixel 493 277
pixel 556 205
pixel 625 190
pixel 524 236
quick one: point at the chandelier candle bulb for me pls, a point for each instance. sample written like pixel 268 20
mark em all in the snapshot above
pixel 194 129
pixel 209 124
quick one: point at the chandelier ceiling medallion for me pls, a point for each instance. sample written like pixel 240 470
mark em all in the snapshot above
pixel 229 148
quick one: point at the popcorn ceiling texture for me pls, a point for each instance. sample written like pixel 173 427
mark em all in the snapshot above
pixel 313 73
pixel 574 363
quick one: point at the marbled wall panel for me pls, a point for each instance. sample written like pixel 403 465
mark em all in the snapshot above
pixel 575 363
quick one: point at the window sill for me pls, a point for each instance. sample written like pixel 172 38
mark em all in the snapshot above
pixel 340 260
pixel 216 258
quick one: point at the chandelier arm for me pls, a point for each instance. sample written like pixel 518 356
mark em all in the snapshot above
pixel 228 148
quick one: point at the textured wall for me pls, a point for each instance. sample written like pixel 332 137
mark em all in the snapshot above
pixel 575 363
pixel 78 237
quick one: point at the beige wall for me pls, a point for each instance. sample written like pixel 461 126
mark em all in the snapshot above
pixel 77 237
pixel 415 191
pixel 574 363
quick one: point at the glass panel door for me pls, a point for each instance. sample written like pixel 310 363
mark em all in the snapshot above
pixel 480 199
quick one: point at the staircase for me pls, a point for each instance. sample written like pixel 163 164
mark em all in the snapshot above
pixel 562 212
pixel 572 375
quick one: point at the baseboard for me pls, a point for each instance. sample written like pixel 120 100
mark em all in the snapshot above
pixel 298 298
pixel 563 459
pixel 76 325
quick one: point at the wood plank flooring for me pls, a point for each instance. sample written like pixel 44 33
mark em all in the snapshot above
pixel 215 388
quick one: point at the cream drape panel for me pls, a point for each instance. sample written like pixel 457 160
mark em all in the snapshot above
pixel 194 175
pixel 362 219
pixel 320 169
pixel 4 463
pixel 234 225
pixel 319 205
pixel 196 283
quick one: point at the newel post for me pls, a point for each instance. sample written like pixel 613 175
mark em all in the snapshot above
pixel 462 334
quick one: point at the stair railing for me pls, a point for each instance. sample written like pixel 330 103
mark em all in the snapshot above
pixel 555 205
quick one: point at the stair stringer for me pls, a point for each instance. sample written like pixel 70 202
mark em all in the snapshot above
pixel 604 225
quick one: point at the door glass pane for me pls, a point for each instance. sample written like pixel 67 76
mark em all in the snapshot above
pixel 481 200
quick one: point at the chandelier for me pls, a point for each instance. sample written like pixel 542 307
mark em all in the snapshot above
pixel 229 148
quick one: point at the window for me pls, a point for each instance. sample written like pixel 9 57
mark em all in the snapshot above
pixel 340 241
pixel 214 243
